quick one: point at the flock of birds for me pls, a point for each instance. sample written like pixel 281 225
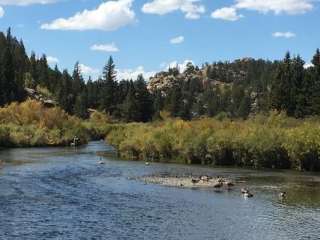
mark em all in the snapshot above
pixel 246 193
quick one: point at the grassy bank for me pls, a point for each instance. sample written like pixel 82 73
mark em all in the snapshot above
pixel 30 124
pixel 275 141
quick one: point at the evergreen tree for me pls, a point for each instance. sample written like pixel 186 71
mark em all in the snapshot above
pixel 77 80
pixel 130 109
pixel 173 101
pixel 244 107
pixel 158 103
pixel 80 106
pixel 65 96
pixel 315 74
pixel 109 87
pixel 298 92
pixel 144 100
pixel 43 71
pixel 281 87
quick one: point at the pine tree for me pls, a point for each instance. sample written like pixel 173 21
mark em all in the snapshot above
pixel 65 96
pixel 298 95
pixel 108 101
pixel 281 86
pixel 173 101
pixel 80 106
pixel 130 108
pixel 8 77
pixel 43 71
pixel 158 103
pixel 244 107
pixel 315 75
pixel 77 80
pixel 144 100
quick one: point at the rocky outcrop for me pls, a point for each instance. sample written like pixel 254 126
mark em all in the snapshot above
pixel 34 94
pixel 214 75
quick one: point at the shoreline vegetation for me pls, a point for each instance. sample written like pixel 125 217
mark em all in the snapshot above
pixel 248 113
pixel 31 124
pixel 274 141
pixel 262 141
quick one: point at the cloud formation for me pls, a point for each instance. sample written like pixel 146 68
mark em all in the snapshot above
pixel 182 66
pixel 109 16
pixel 308 65
pixel 25 2
pixel 284 35
pixel 291 7
pixel 52 60
pixel 276 6
pixel 1 12
pixel 227 14
pixel 110 47
pixel 177 40
pixel 191 8
pixel 88 71
pixel 127 74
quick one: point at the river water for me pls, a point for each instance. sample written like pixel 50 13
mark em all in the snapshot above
pixel 63 193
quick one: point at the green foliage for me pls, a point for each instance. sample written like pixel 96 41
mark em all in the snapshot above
pixel 235 89
pixel 273 141
pixel 99 125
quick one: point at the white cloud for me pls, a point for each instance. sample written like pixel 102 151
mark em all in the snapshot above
pixel 308 65
pixel 276 6
pixel 88 71
pixel 1 12
pixel 182 66
pixel 52 60
pixel 25 2
pixel 226 13
pixel 284 35
pixel 109 16
pixel 111 47
pixel 128 74
pixel 191 8
pixel 177 40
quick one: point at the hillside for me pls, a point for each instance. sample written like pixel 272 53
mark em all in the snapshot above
pixel 227 89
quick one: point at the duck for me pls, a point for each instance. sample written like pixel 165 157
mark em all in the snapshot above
pixel 244 190
pixel 194 181
pixel 282 195
pixel 147 163
pixel 218 185
pixel 229 184
pixel 248 195
pixel 205 178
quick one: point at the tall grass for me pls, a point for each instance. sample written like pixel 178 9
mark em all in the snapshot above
pixel 273 141
pixel 31 124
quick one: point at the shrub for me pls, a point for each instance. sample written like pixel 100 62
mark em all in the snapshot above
pixel 31 124
pixel 273 141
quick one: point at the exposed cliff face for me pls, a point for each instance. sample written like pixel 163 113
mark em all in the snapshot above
pixel 36 95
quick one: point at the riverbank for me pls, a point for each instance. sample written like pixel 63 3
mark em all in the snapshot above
pixel 273 141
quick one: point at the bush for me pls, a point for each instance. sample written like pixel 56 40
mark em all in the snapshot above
pixel 31 124
pixel 273 141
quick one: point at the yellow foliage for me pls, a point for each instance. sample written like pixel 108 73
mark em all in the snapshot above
pixel 32 124
pixel 263 141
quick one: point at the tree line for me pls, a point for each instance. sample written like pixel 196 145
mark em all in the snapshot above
pixel 226 89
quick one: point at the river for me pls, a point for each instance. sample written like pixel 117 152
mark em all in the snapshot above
pixel 63 193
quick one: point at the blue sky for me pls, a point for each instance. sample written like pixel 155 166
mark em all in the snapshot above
pixel 148 35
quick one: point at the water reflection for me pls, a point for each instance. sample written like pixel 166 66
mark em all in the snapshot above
pixel 62 193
